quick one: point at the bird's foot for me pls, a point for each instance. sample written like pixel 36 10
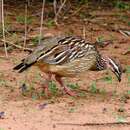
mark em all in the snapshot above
pixel 69 92
pixel 46 91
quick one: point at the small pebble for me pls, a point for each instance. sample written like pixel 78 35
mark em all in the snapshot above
pixel 104 110
pixel 121 110
pixel 42 106
pixel 2 114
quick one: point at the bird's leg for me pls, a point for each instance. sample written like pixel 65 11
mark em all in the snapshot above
pixel 66 89
pixel 46 85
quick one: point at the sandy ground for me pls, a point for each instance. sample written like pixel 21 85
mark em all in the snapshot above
pixel 62 111
pixel 107 103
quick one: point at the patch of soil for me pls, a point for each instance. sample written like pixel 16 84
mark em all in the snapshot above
pixel 104 103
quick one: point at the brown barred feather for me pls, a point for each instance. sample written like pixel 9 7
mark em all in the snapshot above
pixel 67 57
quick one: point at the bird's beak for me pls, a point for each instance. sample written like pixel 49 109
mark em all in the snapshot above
pixel 115 68
pixel 118 76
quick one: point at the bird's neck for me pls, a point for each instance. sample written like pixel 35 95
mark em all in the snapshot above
pixel 101 63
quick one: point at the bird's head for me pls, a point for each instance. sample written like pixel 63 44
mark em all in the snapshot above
pixel 114 66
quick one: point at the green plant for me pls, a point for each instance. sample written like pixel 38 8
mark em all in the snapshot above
pixel 26 88
pixel 128 92
pixel 2 82
pixel 73 86
pixel 21 19
pixel 69 32
pixel 122 5
pixel 50 23
pixel 35 96
pixel 35 40
pixel 100 39
pixel 5 83
pixel 121 119
pixel 128 69
pixel 129 79
pixel 128 23
pixel 107 79
pixel 128 74
pixel 7 28
pixel 71 110
pixel 125 19
pixel 102 91
pixel 14 36
pixel 83 1
pixel 52 88
pixel 82 94
pixel 93 87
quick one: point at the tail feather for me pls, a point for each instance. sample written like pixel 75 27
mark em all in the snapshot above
pixel 17 67
pixel 22 67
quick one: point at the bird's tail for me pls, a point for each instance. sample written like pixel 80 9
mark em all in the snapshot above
pixel 22 67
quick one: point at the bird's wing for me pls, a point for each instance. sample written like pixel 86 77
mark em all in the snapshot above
pixel 67 49
pixel 39 51
pixel 57 51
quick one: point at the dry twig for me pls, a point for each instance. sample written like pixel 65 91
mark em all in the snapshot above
pixel 42 13
pixel 84 32
pixel 3 27
pixel 126 52
pixel 25 23
pixel 17 46
pixel 59 10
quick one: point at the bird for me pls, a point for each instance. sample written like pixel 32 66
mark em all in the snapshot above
pixel 67 56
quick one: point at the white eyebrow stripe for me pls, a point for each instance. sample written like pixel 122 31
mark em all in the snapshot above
pixel 117 68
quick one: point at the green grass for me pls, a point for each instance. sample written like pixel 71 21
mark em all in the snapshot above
pixel 71 110
pixel 7 27
pixel 128 92
pixel 73 86
pixel 76 87
pixel 93 87
pixel 82 94
pixel 2 82
pixel 124 17
pixel 102 91
pixel 120 119
pixel 128 69
pixel 100 39
pixel 5 83
pixel 83 2
pixel 94 90
pixel 50 23
pixel 128 23
pixel 107 79
pixel 128 74
pixel 35 40
pixel 53 88
pixel 122 5
pixel 21 19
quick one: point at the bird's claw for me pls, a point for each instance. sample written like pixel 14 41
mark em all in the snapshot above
pixel 69 92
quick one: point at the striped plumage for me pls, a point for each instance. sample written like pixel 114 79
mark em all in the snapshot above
pixel 67 57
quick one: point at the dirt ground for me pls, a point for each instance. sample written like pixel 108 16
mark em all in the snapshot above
pixel 102 98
